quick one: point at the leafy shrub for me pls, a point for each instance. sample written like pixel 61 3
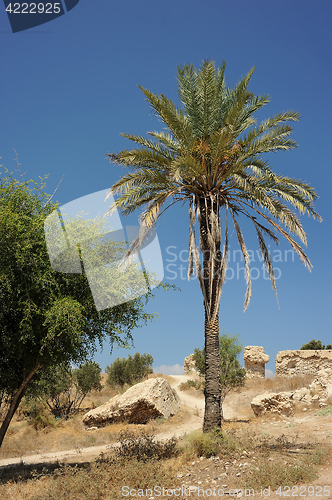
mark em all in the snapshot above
pixel 142 447
pixel 129 370
pixel 197 384
pixel 37 415
pixel 315 344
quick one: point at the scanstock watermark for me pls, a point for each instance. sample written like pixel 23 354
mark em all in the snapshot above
pixel 79 236
pixel 26 15
pixel 217 492
pixel 176 263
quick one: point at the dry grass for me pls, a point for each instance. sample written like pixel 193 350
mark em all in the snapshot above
pixel 279 384
pixel 22 439
pixel 99 480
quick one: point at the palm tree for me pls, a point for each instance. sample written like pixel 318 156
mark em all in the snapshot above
pixel 211 157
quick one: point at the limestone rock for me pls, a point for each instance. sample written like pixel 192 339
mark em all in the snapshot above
pixel 279 403
pixel 254 361
pixel 189 365
pixel 145 401
pixel 302 394
pixel 315 362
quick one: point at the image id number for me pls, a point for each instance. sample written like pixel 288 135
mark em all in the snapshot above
pixel 304 491
pixel 34 8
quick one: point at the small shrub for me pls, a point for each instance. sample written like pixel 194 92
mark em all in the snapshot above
pixel 129 370
pixel 142 447
pixel 212 443
pixel 324 411
pixel 63 389
pixel 314 345
pixel 197 384
pixel 37 415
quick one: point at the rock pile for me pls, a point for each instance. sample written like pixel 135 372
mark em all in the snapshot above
pixel 283 403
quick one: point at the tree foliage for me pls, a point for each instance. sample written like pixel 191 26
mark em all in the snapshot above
pixel 315 344
pixel 129 370
pixel 47 318
pixel 232 375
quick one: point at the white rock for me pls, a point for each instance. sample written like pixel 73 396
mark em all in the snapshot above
pixel 140 403
pixel 189 365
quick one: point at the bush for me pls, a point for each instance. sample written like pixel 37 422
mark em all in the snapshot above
pixel 315 345
pixel 212 443
pixel 37 415
pixel 324 411
pixel 197 384
pixel 143 447
pixel 129 370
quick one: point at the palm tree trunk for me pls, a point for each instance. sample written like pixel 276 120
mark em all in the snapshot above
pixel 15 402
pixel 213 408
pixel 210 242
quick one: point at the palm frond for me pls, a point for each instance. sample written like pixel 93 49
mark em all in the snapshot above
pixel 174 118
pixel 211 156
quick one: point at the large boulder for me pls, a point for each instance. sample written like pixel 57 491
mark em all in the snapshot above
pixel 142 402
pixel 279 403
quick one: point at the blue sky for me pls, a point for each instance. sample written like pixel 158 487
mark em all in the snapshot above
pixel 69 88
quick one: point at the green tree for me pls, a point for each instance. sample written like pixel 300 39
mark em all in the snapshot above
pixel 46 317
pixel 232 375
pixel 211 158
pixel 63 388
pixel 315 344
pixel 129 370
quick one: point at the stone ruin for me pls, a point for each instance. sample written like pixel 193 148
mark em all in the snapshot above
pixel 307 362
pixel 317 363
pixel 302 362
pixel 254 361
pixel 189 366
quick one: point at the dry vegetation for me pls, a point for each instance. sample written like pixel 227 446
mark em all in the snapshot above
pixel 273 452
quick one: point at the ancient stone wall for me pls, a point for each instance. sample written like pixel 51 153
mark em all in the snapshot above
pixel 315 362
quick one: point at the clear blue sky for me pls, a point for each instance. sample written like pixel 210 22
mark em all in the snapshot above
pixel 69 88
